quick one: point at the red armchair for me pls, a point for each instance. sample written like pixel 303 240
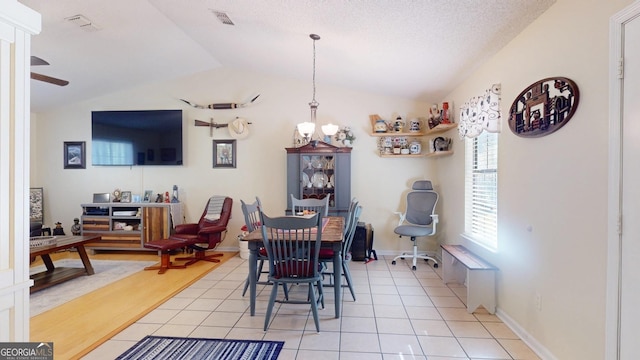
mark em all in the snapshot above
pixel 207 231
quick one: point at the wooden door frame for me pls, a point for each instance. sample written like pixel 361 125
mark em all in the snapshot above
pixel 614 238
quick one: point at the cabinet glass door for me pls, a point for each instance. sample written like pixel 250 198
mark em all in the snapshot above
pixel 317 177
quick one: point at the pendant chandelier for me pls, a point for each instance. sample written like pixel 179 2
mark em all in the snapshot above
pixel 307 129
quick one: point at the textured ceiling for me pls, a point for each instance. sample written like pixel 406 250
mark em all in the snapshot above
pixel 418 49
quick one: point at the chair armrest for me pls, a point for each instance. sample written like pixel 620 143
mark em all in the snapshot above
pixel 435 220
pixel 401 215
pixel 186 229
pixel 213 229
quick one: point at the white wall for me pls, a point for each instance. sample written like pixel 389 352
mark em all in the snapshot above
pixel 557 184
pixel 377 182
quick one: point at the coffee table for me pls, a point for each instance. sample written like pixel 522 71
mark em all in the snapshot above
pixel 55 275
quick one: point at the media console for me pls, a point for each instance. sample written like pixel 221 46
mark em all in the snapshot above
pixel 127 226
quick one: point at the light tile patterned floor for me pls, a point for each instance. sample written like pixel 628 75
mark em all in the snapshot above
pixel 399 314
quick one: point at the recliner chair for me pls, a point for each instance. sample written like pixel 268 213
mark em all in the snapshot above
pixel 419 219
pixel 209 230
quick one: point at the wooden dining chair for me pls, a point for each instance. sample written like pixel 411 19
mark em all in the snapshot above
pixel 293 245
pixel 326 255
pixel 251 214
pixel 320 206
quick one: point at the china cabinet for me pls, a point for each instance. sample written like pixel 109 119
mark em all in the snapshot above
pixel 317 170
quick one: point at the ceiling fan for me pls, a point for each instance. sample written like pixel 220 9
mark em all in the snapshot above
pixel 48 79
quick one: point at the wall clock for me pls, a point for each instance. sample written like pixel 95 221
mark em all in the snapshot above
pixel 544 107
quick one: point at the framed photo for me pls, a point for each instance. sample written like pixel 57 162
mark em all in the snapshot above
pixel 125 197
pixel 74 155
pixel 36 205
pixel 147 196
pixel 224 153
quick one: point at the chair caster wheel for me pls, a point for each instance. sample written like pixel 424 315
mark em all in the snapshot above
pixel 435 266
pixel 393 262
pixel 413 268
pixel 402 258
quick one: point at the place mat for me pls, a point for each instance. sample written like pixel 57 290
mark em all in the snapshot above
pixel 166 347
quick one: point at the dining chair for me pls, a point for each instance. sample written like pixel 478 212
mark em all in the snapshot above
pixel 251 214
pixel 293 245
pixel 320 206
pixel 326 255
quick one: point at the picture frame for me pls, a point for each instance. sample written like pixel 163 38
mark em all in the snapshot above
pixel 74 155
pixel 147 196
pixel 36 205
pixel 125 197
pixel 224 153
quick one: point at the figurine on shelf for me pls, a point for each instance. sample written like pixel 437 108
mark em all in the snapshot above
pixel 434 116
pixel 58 230
pixel 75 228
pixel 159 198
pixel 166 197
pixel 174 197
pixel 445 113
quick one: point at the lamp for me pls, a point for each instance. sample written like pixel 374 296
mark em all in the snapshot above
pixel 308 128
pixel 329 130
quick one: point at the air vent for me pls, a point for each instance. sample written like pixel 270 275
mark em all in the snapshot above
pixel 83 23
pixel 223 17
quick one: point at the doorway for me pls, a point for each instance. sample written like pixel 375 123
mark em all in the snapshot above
pixel 623 266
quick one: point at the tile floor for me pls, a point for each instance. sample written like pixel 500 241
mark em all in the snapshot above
pixel 399 314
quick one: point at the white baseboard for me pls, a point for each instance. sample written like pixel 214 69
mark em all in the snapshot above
pixel 540 350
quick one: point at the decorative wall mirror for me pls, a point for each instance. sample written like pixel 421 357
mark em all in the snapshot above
pixel 544 107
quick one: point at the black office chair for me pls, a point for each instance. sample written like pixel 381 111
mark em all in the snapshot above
pixel 419 219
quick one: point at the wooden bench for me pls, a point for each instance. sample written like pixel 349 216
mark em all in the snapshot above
pixel 459 264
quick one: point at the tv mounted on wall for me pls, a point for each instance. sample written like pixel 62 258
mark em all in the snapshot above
pixel 136 137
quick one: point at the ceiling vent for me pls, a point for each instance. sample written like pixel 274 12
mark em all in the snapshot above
pixel 83 23
pixel 223 17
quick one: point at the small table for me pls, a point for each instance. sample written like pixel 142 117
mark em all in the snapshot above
pixel 55 275
pixel 332 235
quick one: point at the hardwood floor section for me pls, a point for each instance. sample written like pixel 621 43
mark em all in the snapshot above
pixel 82 324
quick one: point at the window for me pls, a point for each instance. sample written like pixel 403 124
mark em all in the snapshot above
pixel 481 189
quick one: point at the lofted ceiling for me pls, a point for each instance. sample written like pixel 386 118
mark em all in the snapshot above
pixel 417 49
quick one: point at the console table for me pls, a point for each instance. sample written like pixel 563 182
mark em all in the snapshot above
pixel 128 226
pixel 54 275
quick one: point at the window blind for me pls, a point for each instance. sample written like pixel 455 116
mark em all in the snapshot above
pixel 481 189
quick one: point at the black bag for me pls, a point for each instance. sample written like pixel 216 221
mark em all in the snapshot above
pixel 362 245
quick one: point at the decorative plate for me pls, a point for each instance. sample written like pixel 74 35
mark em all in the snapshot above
pixel 319 180
pixel 544 107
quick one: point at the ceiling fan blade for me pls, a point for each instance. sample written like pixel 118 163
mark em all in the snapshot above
pixel 49 79
pixel 37 61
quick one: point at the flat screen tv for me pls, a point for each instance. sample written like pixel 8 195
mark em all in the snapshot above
pixel 136 137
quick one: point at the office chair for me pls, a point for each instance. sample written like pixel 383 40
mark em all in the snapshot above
pixel 419 219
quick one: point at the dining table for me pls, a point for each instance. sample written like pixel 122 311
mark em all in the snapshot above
pixel 332 237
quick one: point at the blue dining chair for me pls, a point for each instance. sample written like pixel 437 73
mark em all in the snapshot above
pixel 293 245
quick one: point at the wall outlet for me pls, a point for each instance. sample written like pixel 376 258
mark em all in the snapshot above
pixel 538 302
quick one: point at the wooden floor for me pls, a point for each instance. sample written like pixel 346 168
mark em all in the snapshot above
pixel 80 325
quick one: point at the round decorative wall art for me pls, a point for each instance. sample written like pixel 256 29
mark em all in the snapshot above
pixel 544 107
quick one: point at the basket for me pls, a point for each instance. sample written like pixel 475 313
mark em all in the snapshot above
pixel 38 241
